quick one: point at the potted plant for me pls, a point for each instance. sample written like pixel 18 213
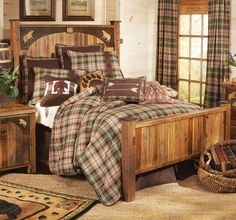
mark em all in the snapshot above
pixel 8 89
pixel 232 64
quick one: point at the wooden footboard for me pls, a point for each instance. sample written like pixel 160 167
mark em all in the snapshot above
pixel 154 144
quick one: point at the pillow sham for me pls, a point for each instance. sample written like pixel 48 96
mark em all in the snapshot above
pixel 128 90
pixel 105 61
pixel 59 90
pixel 154 93
pixel 27 74
pixel 40 85
pixel 61 52
pixel 91 79
pixel 170 92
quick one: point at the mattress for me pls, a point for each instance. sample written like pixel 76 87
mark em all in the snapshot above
pixel 45 115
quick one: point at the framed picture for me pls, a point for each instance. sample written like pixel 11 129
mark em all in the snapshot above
pixel 78 10
pixel 37 10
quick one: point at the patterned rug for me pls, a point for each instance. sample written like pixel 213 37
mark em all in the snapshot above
pixel 20 202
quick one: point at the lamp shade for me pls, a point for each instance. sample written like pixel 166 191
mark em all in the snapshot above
pixel 5 56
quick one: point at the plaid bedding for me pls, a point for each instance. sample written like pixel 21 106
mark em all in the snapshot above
pixel 86 135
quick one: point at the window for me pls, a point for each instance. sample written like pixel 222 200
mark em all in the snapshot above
pixel 192 55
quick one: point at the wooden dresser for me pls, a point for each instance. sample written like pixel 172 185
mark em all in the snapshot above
pixel 230 95
pixel 17 137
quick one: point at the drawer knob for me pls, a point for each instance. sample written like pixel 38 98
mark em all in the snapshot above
pixel 22 123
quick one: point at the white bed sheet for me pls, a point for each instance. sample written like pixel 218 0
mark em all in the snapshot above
pixel 45 115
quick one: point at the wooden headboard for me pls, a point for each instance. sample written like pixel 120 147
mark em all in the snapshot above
pixel 38 40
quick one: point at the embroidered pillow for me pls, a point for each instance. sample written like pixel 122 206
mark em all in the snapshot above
pixel 154 93
pixel 128 90
pixel 61 52
pixel 170 92
pixel 27 74
pixel 105 61
pixel 91 79
pixel 59 90
pixel 40 85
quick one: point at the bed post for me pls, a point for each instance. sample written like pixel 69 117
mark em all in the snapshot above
pixel 128 157
pixel 117 37
pixel 227 105
pixel 15 38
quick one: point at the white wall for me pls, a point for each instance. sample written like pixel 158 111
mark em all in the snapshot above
pixel 233 31
pixel 1 19
pixel 139 31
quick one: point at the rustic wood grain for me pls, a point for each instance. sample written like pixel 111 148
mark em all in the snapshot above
pixel 17 137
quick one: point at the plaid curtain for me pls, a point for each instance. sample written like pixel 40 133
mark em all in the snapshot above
pixel 167 42
pixel 218 50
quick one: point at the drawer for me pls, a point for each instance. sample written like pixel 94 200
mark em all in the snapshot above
pixel 14 141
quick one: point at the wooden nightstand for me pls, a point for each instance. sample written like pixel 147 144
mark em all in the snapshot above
pixel 17 137
pixel 230 95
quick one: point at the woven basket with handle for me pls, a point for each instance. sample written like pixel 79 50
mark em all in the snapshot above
pixel 215 180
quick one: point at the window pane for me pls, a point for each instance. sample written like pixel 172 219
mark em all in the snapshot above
pixel 205 42
pixel 196 70
pixel 195 93
pixel 196 47
pixel 183 69
pixel 185 24
pixel 204 68
pixel 183 90
pixel 184 46
pixel 203 92
pixel 196 25
pixel 205 25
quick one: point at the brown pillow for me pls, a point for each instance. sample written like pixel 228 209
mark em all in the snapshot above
pixel 91 79
pixel 61 52
pixel 59 90
pixel 155 93
pixel 105 61
pixel 39 83
pixel 128 90
pixel 27 74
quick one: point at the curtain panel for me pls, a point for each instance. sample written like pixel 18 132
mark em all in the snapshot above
pixel 167 42
pixel 218 50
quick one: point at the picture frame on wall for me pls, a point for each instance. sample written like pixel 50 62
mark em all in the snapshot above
pixel 78 10
pixel 37 10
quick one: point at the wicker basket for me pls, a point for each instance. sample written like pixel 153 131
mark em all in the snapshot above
pixel 215 180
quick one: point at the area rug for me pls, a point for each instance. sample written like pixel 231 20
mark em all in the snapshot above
pixel 19 202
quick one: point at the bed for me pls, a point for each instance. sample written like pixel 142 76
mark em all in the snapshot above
pixel 145 145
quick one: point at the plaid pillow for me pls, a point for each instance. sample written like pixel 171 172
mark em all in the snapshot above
pixel 59 90
pixel 128 90
pixel 170 92
pixel 40 85
pixel 27 74
pixel 105 61
pixel 91 79
pixel 61 52
pixel 154 93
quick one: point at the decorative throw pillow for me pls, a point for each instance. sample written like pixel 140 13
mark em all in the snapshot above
pixel 39 83
pixel 59 90
pixel 27 74
pixel 154 93
pixel 128 90
pixel 61 52
pixel 105 61
pixel 170 92
pixel 91 79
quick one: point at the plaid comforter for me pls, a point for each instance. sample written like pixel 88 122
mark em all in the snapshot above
pixel 86 135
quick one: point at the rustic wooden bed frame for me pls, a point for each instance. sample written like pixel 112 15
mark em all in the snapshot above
pixel 146 145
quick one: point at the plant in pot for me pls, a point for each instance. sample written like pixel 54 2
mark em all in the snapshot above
pixel 232 64
pixel 8 89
